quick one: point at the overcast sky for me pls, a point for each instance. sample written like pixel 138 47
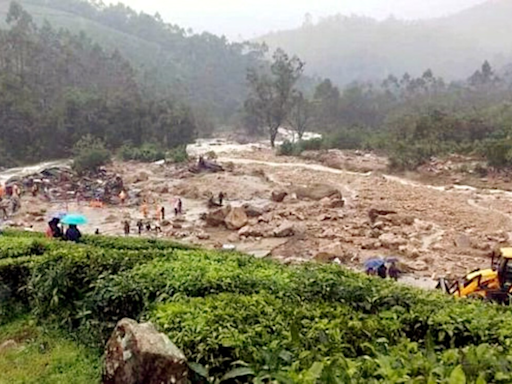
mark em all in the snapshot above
pixel 243 19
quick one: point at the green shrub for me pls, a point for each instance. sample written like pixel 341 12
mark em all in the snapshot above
pixel 178 155
pixel 312 145
pixel 258 319
pixel 287 148
pixel 147 153
pixel 90 154
pixel 498 152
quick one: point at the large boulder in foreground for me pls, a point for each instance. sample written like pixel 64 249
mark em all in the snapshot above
pixel 137 353
pixel 318 192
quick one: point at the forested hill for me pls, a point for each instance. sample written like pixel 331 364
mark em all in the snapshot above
pixel 205 70
pixel 347 49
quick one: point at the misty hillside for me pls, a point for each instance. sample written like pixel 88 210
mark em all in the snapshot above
pixel 205 70
pixel 357 48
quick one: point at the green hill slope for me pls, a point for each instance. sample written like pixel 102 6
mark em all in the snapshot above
pixel 205 70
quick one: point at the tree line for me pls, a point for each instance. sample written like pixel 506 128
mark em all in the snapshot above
pixel 56 88
pixel 410 118
pixel 204 70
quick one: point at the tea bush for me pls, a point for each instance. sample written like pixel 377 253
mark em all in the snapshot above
pixel 240 319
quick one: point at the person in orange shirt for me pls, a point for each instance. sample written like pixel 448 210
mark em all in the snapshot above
pixel 2 191
pixel 144 209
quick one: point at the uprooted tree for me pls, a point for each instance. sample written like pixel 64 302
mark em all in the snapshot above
pixel 271 93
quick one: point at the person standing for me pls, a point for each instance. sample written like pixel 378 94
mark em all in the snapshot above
pixel 162 213
pixel 140 226
pixel 221 197
pixel 144 209
pixel 126 228
pixel 122 196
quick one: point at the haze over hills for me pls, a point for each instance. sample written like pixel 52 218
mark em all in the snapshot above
pixel 204 70
pixel 355 48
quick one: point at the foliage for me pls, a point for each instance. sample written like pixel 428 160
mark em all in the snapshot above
pixel 57 88
pixel 45 356
pixel 259 321
pixel 205 70
pixel 287 148
pixel 271 95
pixel 178 155
pixel 90 155
pixel 147 153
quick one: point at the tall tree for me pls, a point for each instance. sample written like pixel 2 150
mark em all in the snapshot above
pixel 270 94
pixel 301 114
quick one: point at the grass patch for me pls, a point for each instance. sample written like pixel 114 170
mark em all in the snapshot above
pixel 44 356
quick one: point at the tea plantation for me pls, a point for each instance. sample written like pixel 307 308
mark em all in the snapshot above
pixel 239 319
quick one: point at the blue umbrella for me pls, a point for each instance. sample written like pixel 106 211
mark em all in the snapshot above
pixel 74 219
pixel 373 264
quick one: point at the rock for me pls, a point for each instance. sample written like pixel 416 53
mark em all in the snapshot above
pixel 260 254
pixel 391 241
pixel 463 241
pixel 318 192
pixel 278 196
pixel 203 236
pixel 251 231
pixel 236 219
pixel 233 238
pixel 252 211
pixel 410 252
pixel 8 345
pixel 217 217
pixel 287 229
pixel 330 253
pixel 165 223
pixel 419 266
pixel 373 214
pixel 111 219
pixel 143 176
pixel 137 353
pixel 327 202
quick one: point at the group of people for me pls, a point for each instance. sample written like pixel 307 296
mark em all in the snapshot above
pixel 55 231
pixel 383 268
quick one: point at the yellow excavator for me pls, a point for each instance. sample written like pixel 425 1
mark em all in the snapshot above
pixel 494 284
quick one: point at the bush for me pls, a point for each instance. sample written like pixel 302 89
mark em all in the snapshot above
pixel 90 155
pixel 261 320
pixel 178 155
pixel 147 153
pixel 312 145
pixel 498 152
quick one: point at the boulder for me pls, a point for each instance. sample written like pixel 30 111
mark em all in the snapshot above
pixel 252 211
pixel 137 353
pixel 391 241
pixel 327 202
pixel 330 253
pixel 287 229
pixel 251 231
pixel 278 196
pixel 318 192
pixel 236 219
pixel 217 217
